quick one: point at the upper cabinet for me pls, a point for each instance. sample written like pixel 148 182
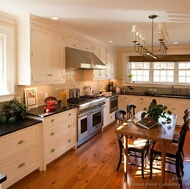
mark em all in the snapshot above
pixel 41 55
pixel 41 52
pixel 108 57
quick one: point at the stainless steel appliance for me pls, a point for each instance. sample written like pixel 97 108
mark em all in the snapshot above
pixel 74 93
pixel 113 103
pixel 90 117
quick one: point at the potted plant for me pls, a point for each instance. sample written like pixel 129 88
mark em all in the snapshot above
pixel 14 110
pixel 130 76
pixel 156 111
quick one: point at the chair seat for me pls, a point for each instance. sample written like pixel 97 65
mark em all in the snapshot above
pixel 176 137
pixel 171 149
pixel 137 143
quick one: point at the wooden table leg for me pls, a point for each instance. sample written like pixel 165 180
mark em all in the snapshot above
pixel 163 161
pixel 125 154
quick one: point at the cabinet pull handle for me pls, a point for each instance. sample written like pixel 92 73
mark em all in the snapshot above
pixel 53 150
pixel 52 120
pixel 21 141
pixel 52 133
pixel 21 165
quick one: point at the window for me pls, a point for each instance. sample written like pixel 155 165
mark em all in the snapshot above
pixel 183 72
pixel 6 61
pixel 160 72
pixel 163 72
pixel 140 71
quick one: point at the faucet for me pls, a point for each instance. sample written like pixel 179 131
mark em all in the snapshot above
pixel 173 90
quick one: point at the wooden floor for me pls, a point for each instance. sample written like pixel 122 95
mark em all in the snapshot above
pixel 93 166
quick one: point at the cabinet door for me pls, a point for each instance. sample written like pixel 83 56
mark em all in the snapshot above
pixel 106 112
pixel 39 55
pixel 73 42
pixel 56 67
pixel 86 46
pixel 141 102
pixel 123 100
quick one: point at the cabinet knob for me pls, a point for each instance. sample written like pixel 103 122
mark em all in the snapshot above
pixel 21 141
pixel 70 140
pixel 52 120
pixel 52 133
pixel 69 126
pixel 70 114
pixel 53 150
pixel 21 165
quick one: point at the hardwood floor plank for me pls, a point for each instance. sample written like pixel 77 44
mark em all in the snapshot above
pixel 93 166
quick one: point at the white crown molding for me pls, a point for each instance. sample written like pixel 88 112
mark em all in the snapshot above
pixel 7 19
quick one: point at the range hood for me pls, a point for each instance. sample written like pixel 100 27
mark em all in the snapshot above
pixel 79 59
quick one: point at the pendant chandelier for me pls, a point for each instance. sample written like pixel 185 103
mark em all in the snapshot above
pixel 140 44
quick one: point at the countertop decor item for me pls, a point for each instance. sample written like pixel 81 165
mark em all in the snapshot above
pixel 50 104
pixel 156 111
pixel 14 110
pixel 31 99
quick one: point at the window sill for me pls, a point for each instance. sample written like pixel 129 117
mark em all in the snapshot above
pixel 4 98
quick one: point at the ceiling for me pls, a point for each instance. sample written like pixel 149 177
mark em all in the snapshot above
pixel 111 19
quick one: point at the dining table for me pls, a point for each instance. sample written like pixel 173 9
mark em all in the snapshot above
pixel 163 131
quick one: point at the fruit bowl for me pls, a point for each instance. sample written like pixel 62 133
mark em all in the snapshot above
pixel 50 104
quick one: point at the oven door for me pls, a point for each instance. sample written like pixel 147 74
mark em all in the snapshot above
pixel 113 103
pixel 96 120
pixel 83 126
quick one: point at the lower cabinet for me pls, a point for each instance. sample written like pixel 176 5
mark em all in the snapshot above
pixel 32 148
pixel 108 117
pixel 20 154
pixel 175 105
pixel 59 134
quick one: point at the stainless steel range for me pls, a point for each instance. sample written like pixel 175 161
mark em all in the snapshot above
pixel 90 117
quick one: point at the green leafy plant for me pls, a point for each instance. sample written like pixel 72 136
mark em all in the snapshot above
pixel 156 111
pixel 14 108
pixel 130 76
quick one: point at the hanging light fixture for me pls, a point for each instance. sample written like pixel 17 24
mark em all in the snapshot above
pixel 140 44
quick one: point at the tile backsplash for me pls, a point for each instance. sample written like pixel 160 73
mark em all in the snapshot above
pixel 74 78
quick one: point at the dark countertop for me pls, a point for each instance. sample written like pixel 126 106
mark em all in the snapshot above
pixel 7 128
pixel 159 95
pixel 2 178
pixel 39 111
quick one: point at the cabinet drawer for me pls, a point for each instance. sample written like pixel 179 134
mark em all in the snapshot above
pixel 59 118
pixel 17 142
pixel 20 166
pixel 59 131
pixel 60 147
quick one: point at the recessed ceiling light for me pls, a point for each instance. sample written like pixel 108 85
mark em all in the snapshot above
pixel 175 43
pixel 110 41
pixel 54 18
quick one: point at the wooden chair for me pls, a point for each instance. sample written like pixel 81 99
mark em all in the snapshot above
pixel 136 147
pixel 173 154
pixel 177 135
pixel 130 110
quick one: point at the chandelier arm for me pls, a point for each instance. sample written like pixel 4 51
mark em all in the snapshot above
pixel 140 43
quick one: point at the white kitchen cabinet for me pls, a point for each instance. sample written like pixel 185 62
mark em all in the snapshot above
pixel 175 105
pixel 73 42
pixel 108 117
pixel 60 131
pixel 41 55
pixel 123 100
pixel 86 46
pixel 141 102
pixel 20 153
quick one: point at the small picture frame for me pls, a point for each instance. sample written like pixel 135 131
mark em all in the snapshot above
pixel 31 99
